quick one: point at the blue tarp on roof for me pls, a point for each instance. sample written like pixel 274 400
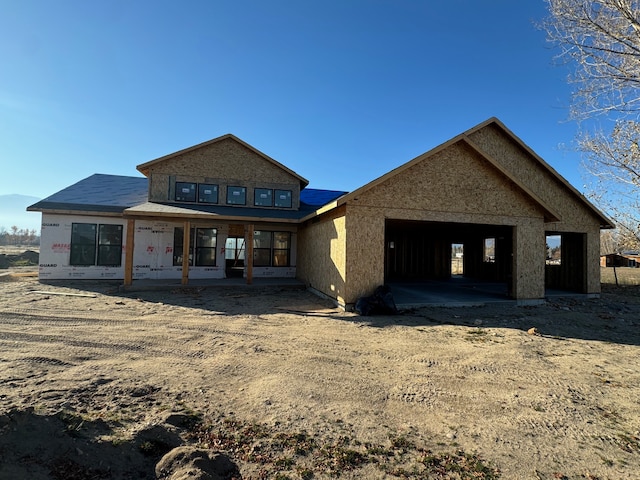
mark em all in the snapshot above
pixel 115 193
pixel 318 198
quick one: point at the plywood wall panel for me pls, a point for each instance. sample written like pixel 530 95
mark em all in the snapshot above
pixel 321 261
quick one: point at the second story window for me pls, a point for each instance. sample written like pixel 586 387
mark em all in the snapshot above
pixel 207 193
pixel 185 192
pixel 263 197
pixel 236 195
pixel 283 198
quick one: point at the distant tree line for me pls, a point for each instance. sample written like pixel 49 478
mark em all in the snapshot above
pixel 19 236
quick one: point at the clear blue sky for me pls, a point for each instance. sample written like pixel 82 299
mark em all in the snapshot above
pixel 340 91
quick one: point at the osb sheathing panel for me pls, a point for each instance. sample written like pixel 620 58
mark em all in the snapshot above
pixel 454 185
pixel 575 215
pixel 365 252
pixel 321 261
pixel 456 180
pixel 528 259
pixel 225 162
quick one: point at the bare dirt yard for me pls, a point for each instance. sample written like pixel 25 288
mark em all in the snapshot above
pixel 257 383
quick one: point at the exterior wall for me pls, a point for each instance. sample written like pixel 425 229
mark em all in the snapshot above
pixel 454 185
pixel 224 163
pixel 575 216
pixel 322 255
pixel 152 251
pixel 55 249
pixel 529 260
pixel 454 180
pixel 365 251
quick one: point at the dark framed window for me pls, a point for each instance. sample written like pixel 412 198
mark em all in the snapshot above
pixel 283 198
pixel 262 249
pixel 202 246
pixel 281 249
pixel 83 244
pixel 236 195
pixel 205 246
pixel 263 197
pixel 271 249
pixel 96 244
pixel 185 192
pixel 207 193
pixel 110 245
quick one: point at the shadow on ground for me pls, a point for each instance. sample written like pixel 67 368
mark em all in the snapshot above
pixel 614 317
pixel 66 446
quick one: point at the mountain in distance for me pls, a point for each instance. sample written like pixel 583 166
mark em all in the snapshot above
pixel 13 211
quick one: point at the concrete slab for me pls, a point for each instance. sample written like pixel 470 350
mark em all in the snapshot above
pixel 456 292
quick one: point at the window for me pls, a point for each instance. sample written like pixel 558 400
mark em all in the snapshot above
pixel 185 192
pixel 283 198
pixel 207 193
pixel 94 244
pixel 554 249
pixel 489 250
pixel 110 245
pixel 262 249
pixel 263 197
pixel 236 195
pixel 205 246
pixel 202 246
pixel 271 249
pixel 83 244
pixel 281 249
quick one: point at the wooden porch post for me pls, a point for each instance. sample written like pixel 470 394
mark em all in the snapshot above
pixel 186 240
pixel 249 255
pixel 128 253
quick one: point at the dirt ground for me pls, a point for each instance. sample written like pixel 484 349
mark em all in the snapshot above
pixel 100 384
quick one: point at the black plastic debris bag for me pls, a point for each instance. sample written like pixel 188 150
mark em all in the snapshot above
pixel 380 303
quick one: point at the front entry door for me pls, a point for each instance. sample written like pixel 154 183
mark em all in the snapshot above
pixel 234 256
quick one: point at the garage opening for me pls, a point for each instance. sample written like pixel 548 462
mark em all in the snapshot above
pixel 449 252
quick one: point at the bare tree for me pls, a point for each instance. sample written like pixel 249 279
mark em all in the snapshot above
pixel 601 39
pixel 614 162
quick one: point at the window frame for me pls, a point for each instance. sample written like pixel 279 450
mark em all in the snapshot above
pixel 277 193
pixel 260 190
pixel 99 250
pixel 213 186
pixel 113 249
pixel 272 250
pixel 195 250
pixel 193 192
pixel 230 194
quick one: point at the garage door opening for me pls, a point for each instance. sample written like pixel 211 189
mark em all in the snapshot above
pixel 456 253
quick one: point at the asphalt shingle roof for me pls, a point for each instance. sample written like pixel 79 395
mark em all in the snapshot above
pixel 116 193
pixel 99 192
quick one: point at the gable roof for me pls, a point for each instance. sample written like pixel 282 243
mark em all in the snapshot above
pixel 97 193
pixel 550 213
pixel 144 167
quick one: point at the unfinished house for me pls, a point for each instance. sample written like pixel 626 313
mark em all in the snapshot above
pixel 482 206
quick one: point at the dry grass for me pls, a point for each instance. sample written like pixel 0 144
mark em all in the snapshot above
pixel 626 276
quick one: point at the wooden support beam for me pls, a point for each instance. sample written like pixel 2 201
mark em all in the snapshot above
pixel 249 256
pixel 186 241
pixel 128 253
